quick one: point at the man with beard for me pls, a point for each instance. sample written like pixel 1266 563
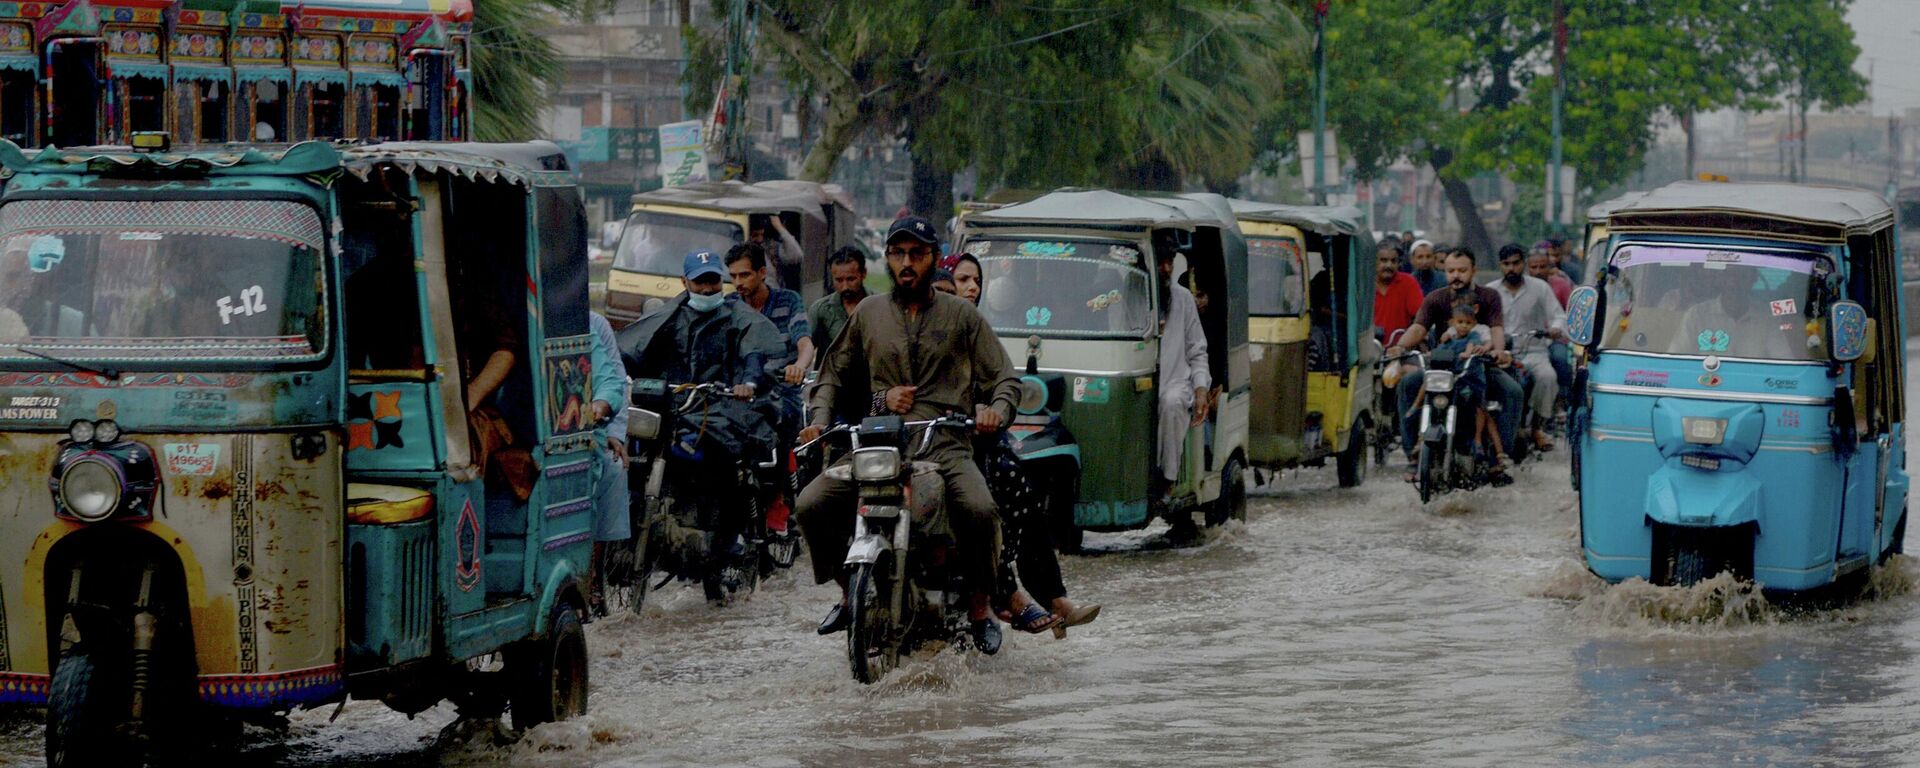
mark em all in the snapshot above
pixel 1424 270
pixel 1527 305
pixel 924 354
pixel 847 269
pixel 1435 311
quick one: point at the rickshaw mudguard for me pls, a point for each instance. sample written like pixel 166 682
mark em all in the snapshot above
pixel 560 584
pixel 1683 496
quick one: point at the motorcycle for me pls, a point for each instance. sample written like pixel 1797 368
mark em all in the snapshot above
pixel 1448 455
pixel 903 590
pixel 692 521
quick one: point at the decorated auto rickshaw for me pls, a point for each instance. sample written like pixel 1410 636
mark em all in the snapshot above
pixel 667 224
pixel 90 72
pixel 251 459
pixel 1310 266
pixel 1593 242
pixel 1070 285
pixel 1744 405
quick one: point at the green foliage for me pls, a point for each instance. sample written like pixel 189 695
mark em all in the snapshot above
pixel 512 65
pixel 1039 92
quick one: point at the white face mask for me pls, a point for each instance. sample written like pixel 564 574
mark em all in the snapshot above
pixel 705 302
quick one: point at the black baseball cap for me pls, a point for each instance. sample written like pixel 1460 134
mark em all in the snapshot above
pixel 915 227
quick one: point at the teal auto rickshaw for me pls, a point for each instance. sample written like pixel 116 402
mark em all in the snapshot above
pixel 1310 268
pixel 1071 289
pixel 242 470
pixel 1744 402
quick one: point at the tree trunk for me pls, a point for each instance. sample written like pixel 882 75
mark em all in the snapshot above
pixel 1686 124
pixel 838 127
pixel 1473 230
pixel 1152 173
pixel 930 191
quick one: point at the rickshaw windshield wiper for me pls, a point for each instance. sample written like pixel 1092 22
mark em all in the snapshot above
pixel 102 372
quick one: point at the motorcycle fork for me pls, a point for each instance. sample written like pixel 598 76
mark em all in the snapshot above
pixel 145 626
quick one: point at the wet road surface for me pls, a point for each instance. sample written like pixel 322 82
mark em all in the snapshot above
pixel 1335 627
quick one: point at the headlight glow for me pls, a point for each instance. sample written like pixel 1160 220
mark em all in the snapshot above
pixel 872 464
pixel 90 490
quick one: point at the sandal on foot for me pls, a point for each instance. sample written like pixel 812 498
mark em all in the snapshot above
pixel 1081 614
pixel 1033 620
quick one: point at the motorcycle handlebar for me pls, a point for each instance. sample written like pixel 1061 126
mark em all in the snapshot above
pixel 949 422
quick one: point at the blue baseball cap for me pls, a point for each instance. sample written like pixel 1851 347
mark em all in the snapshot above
pixel 702 263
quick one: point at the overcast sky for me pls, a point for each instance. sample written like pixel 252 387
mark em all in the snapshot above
pixel 1888 32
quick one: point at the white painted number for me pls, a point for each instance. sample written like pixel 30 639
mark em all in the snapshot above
pixel 252 301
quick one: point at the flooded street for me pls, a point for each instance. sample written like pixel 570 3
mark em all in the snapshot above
pixel 1335 627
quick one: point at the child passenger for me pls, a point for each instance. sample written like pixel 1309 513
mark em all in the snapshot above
pixel 1470 383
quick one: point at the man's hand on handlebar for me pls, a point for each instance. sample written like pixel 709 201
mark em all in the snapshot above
pixel 900 399
pixel 743 391
pixel 986 419
pixel 811 433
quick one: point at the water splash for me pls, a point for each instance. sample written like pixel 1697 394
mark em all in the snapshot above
pixel 1719 602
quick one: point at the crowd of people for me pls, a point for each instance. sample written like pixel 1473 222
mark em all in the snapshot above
pixel 1425 294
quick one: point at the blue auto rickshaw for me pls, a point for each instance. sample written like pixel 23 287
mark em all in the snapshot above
pixel 1743 404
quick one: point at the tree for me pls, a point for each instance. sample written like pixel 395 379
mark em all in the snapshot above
pixel 1033 93
pixel 513 65
pixel 1627 64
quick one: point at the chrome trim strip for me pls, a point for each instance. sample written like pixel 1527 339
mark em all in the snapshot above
pixel 1701 394
pixel 1796 447
pixel 1701 358
pixel 1603 436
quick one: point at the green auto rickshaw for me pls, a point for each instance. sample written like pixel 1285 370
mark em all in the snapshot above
pixel 1070 287
pixel 1310 282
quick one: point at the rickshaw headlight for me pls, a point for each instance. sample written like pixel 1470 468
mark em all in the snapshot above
pixel 106 430
pixel 90 490
pixel 1033 396
pixel 1438 381
pixel 875 464
pixel 80 431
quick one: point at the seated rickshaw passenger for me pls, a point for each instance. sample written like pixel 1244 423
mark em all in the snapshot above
pixel 1321 322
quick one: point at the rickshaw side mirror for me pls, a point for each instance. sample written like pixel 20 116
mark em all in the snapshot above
pixel 1851 329
pixel 1581 307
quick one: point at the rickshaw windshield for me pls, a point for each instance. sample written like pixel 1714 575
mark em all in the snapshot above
pixel 172 280
pixel 1064 288
pixel 1276 277
pixel 1704 301
pixel 656 243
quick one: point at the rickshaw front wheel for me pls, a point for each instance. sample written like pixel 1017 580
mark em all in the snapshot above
pixel 550 672
pixel 1350 466
pixel 86 706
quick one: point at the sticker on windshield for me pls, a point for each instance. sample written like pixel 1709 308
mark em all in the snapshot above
pixel 1714 341
pixel 1038 248
pixel 1783 307
pixel 1101 302
pixel 45 252
pixel 979 248
pixel 139 236
pixel 1125 254
pixel 252 302
pixel 1039 317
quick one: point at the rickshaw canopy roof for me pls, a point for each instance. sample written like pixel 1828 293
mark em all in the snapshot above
pixel 1789 211
pixel 1104 209
pixel 533 163
pixel 1601 210
pixel 258 159
pixel 764 197
pixel 1323 219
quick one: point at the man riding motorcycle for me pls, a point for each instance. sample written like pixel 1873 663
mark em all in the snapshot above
pixel 700 338
pixel 1434 313
pixel 923 354
pixel 1534 320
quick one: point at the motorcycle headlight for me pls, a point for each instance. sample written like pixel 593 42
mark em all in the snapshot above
pixel 90 489
pixel 1439 402
pixel 80 431
pixel 1438 381
pixel 642 424
pixel 874 464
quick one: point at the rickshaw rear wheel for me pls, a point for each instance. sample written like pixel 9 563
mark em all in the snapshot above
pixel 550 672
pixel 1350 465
pixel 1232 504
pixel 86 704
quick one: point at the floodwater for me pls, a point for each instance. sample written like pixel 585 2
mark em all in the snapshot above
pixel 1335 627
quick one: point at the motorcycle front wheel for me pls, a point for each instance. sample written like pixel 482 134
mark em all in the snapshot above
pixel 1424 476
pixel 873 647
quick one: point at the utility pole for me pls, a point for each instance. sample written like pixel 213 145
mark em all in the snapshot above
pixel 739 66
pixel 1320 101
pixel 1559 95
